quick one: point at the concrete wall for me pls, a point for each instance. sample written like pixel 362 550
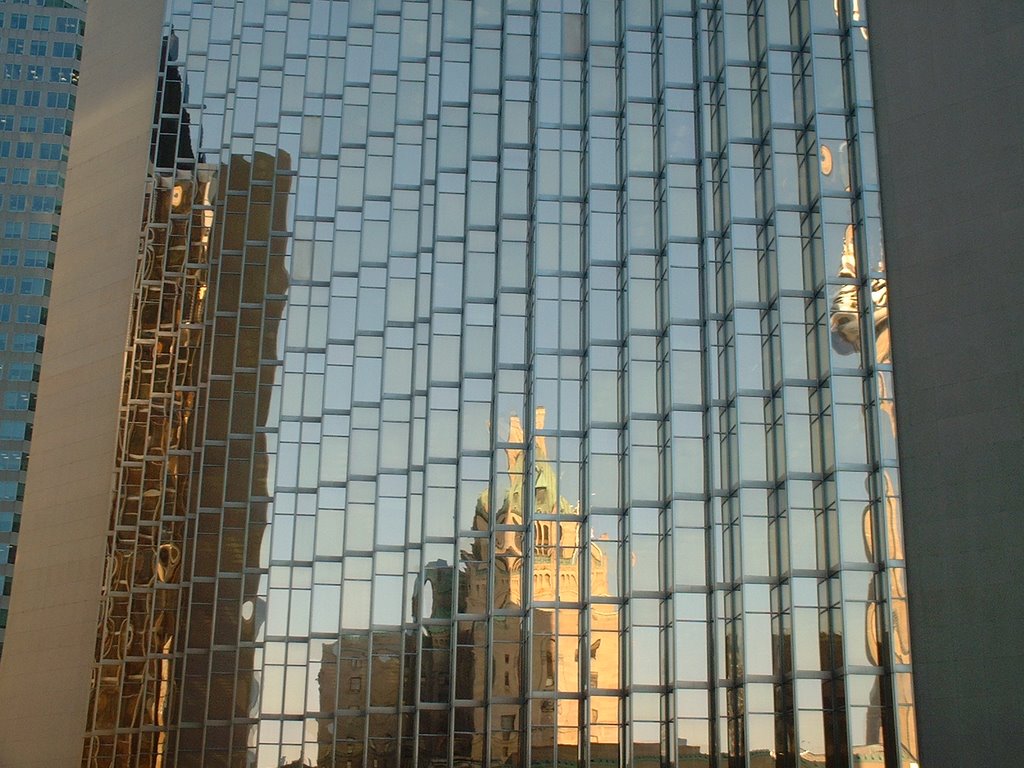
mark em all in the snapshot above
pixel 949 89
pixel 45 674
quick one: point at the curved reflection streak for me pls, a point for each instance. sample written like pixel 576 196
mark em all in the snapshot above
pixel 890 633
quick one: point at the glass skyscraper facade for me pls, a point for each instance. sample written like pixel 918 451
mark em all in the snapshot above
pixel 508 384
pixel 40 50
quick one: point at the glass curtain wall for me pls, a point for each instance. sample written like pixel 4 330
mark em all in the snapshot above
pixel 509 384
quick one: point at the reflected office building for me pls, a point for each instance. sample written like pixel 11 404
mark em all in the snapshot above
pixel 509 384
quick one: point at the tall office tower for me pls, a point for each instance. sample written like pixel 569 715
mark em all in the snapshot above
pixel 40 49
pixel 505 385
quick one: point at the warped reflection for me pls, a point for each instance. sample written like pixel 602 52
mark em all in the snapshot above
pixel 883 634
pixel 188 384
pixel 457 433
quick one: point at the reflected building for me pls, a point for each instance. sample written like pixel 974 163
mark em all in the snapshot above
pixel 489 664
pixel 508 385
pixel 846 323
pixel 191 488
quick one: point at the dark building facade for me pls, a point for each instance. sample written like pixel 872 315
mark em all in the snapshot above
pixel 505 385
pixel 949 90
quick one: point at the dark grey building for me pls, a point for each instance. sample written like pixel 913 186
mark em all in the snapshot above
pixel 40 50
pixel 949 96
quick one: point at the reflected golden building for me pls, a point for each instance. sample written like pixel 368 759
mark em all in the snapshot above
pixel 140 617
pixel 192 407
pixel 191 489
pixel 550 586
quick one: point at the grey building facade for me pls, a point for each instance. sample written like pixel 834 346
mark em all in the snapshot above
pixel 949 91
pixel 504 385
pixel 40 51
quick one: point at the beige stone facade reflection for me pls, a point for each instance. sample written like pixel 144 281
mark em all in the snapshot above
pixel 543 589
pixel 563 570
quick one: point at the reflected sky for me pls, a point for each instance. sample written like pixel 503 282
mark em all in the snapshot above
pixel 547 390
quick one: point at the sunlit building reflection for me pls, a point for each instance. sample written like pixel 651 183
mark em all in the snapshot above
pixel 481 408
pixel 191 380
pixel 859 322
pixel 534 582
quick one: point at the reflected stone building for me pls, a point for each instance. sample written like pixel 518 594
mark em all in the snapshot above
pixel 488 665
pixel 507 385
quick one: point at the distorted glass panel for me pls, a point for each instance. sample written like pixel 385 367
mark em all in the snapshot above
pixel 483 311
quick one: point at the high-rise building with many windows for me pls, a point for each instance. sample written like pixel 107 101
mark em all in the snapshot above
pixel 505 384
pixel 40 49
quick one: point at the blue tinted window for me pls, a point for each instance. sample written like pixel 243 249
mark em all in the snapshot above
pixel 13 430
